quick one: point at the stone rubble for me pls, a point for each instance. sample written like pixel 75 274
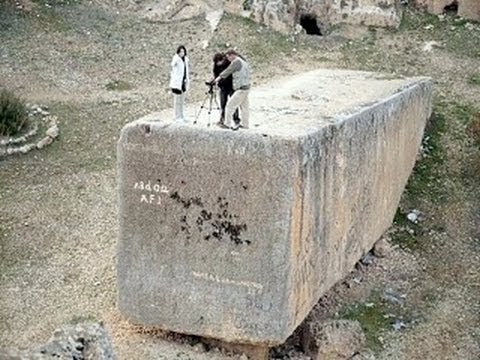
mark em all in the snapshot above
pixel 23 147
pixel 88 341
pixel 333 339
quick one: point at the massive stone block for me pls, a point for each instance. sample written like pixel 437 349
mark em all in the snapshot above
pixel 236 235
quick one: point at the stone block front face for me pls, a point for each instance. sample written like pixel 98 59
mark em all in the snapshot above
pixel 236 235
pixel 204 230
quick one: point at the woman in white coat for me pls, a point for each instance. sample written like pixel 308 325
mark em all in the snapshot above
pixel 179 82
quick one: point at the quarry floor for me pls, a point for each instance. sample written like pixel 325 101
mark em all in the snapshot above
pixel 97 69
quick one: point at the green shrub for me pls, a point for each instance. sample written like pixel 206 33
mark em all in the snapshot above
pixel 118 85
pixel 474 79
pixel 13 113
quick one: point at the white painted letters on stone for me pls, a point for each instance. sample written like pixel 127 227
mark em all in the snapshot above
pixel 153 197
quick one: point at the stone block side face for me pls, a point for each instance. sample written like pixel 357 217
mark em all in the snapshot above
pixel 347 190
pixel 204 229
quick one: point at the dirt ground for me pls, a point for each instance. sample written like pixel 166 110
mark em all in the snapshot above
pixel 99 67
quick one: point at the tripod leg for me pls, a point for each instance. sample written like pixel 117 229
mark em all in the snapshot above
pixel 210 107
pixel 200 110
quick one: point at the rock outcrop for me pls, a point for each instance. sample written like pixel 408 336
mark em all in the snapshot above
pixel 468 9
pixel 283 15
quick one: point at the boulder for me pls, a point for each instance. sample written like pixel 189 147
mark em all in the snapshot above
pixel 333 339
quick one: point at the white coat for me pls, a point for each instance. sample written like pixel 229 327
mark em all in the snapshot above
pixel 176 75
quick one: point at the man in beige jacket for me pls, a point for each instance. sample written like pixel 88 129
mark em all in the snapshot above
pixel 240 72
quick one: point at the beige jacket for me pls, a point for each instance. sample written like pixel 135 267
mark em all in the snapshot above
pixel 240 72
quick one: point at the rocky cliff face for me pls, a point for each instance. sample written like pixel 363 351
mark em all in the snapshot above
pixel 469 9
pixel 283 15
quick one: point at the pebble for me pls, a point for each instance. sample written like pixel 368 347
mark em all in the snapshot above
pixel 394 298
pixel 52 131
pixel 399 325
pixel 199 348
pixel 367 259
pixel 413 217
pixel 47 140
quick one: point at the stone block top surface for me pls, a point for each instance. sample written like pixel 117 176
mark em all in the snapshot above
pixel 298 105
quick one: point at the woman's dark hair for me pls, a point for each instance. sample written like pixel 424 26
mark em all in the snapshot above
pixel 180 48
pixel 218 57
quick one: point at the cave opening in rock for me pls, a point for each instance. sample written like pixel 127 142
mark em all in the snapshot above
pixel 309 23
pixel 451 9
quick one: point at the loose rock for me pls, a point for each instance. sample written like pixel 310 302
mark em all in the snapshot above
pixel 367 259
pixel 53 131
pixel 413 216
pixel 47 140
pixel 334 339
pixel 81 341
pixel 381 248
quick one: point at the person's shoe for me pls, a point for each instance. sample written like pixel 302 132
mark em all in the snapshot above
pixel 235 127
pixel 222 125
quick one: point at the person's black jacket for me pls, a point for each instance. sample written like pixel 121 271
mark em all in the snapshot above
pixel 225 84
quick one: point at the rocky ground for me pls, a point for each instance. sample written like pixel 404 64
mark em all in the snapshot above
pixel 97 67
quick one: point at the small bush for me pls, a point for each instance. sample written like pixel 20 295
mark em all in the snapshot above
pixel 474 79
pixel 118 85
pixel 13 113
pixel 372 318
pixel 473 129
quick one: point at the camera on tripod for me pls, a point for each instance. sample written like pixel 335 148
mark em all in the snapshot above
pixel 210 85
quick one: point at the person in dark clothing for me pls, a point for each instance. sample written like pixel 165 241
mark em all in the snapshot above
pixel 220 63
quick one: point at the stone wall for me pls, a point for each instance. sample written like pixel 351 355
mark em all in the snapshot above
pixel 236 235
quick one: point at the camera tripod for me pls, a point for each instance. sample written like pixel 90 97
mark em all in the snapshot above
pixel 210 96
